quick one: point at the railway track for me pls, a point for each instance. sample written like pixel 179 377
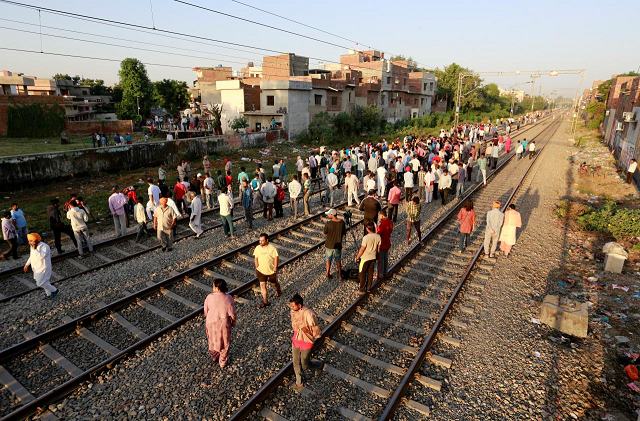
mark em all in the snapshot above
pixel 14 283
pixel 390 341
pixel 90 343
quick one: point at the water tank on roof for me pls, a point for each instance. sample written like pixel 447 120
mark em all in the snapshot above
pixel 219 65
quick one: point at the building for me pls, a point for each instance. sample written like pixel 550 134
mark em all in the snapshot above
pixel 518 95
pixel 284 92
pixel 14 84
pixel 621 124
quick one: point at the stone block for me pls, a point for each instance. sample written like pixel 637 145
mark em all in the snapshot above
pixel 565 315
pixel 614 263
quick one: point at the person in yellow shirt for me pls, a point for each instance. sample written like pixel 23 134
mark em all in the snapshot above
pixel 266 264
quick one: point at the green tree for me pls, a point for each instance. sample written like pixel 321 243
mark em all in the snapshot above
pixel 239 123
pixel 97 87
pixel 136 86
pixel 448 85
pixel 172 95
pixel 60 76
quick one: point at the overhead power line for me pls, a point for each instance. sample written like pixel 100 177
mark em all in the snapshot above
pixel 88 57
pixel 158 30
pixel 318 29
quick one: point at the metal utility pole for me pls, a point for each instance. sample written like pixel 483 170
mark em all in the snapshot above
pixel 533 87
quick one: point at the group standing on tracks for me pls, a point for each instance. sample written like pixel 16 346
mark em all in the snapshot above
pixel 423 167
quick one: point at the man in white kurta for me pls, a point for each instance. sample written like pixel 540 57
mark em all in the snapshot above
pixel 352 186
pixel 40 263
pixel 196 213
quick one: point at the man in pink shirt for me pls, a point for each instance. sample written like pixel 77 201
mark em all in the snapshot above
pixel 394 200
pixel 305 331
pixel 117 201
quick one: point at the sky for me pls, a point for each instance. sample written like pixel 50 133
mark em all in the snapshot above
pixel 488 36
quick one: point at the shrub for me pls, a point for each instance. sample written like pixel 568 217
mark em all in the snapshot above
pixel 621 223
pixel 35 120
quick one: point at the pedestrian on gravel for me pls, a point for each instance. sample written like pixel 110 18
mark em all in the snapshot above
pixel 226 206
pixel 384 230
pixel 141 219
pixel 532 149
pixel 162 174
pixel 507 143
pixel 495 153
pixel 495 218
pixel 462 174
pixel 393 201
pixel 117 201
pixel 279 198
pixel 196 213
pixel 370 206
pixel 9 234
pixel 467 220
pixel 79 219
pixel 294 192
pixel 369 249
pixel 57 226
pixel 40 263
pixel 332 186
pixel 414 209
pixel 512 221
pixel 305 331
pixel 266 264
pixel 307 193
pixel 220 316
pixel 20 223
pixel 444 185
pixel 334 231
pixel 519 150
pixel 352 186
pixel 247 204
pixel 268 191
pixel 631 170
pixel 482 169
pixel 164 220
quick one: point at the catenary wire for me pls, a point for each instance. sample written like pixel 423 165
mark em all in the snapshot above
pixel 97 19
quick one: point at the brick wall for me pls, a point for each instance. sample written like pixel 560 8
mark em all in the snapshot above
pixel 79 127
pixel 7 101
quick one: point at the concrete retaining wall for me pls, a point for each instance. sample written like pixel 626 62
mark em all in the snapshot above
pixel 27 169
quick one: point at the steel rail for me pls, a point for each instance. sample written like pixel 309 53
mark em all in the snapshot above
pixel 72 384
pixel 274 382
pixel 107 243
pixel 409 376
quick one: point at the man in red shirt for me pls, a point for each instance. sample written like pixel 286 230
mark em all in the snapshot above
pixel 384 230
pixel 180 190
pixel 394 200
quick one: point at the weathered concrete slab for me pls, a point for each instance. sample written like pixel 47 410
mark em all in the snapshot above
pixel 565 315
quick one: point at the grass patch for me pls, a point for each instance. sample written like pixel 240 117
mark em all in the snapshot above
pixel 621 223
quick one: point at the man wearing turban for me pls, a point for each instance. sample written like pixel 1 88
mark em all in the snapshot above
pixel 40 263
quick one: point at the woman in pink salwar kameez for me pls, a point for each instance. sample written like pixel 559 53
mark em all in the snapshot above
pixel 507 144
pixel 220 314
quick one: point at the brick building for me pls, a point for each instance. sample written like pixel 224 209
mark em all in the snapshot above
pixel 285 92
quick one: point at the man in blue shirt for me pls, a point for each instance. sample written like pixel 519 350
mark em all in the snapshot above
pixel 20 223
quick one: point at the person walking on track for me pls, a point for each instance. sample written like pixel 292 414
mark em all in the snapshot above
pixel 79 219
pixel 266 264
pixel 40 263
pixel 196 212
pixel 9 234
pixel 467 220
pixel 495 218
pixel 58 227
pixel 117 201
pixel 305 331
pixel 512 221
pixel 334 231
pixel 367 255
pixel 164 219
pixel 220 315
pixel 384 230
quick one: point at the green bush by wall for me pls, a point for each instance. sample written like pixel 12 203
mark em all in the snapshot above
pixel 35 120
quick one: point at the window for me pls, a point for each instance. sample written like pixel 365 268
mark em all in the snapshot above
pixel 360 80
pixel 389 80
pixel 425 87
pixel 415 101
pixel 431 86
pixel 400 100
pixel 405 82
pixel 271 100
pixel 382 100
pixel 318 99
pixel 349 96
pixel 421 101
pixel 334 100
pixel 85 93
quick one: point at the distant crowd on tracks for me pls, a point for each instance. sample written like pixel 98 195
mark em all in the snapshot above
pixel 437 166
